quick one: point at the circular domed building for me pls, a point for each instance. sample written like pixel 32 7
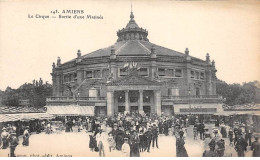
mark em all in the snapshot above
pixel 134 75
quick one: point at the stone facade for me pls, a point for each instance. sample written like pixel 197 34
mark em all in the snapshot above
pixel 135 75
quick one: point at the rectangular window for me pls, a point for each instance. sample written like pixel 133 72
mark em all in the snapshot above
pixel 123 72
pixel 201 75
pixel 170 72
pixel 88 74
pixel 162 71
pixel 143 72
pixel 97 74
pixel 178 73
pixel 192 74
pixel 105 72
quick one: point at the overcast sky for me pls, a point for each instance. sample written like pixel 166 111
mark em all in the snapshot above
pixel 229 31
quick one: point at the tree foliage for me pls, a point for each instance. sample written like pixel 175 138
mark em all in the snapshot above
pixel 36 93
pixel 239 94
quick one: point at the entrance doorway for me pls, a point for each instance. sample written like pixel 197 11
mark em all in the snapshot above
pixel 168 110
pixel 100 110
pixel 147 110
pixel 121 109
pixel 197 92
pixel 134 109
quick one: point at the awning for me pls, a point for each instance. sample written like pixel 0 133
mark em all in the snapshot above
pixel 33 116
pixel 257 113
pixel 24 117
pixel 71 110
pixel 228 113
pixel 187 113
pixel 10 117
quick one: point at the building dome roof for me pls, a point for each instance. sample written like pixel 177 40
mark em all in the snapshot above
pixel 132 41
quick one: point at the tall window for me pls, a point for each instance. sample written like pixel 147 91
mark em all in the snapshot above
pixel 146 99
pixel 75 76
pixel 197 75
pixel 192 74
pixel 201 75
pixel 133 99
pixel 98 92
pixel 121 99
pixel 197 92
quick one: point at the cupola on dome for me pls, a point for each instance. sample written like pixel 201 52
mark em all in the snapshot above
pixel 132 31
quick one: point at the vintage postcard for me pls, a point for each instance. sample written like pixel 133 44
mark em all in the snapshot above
pixel 129 78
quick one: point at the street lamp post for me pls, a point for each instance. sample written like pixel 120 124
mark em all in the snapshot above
pixel 78 98
pixel 189 99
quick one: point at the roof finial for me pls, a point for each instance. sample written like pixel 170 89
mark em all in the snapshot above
pixel 132 15
pixel 131 6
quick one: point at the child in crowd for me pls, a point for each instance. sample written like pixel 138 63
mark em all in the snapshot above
pixel 195 133
pixel 126 148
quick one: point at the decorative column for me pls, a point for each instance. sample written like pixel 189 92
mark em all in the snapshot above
pixel 141 109
pixel 59 85
pixel 110 103
pixel 157 102
pixel 80 76
pixel 113 63
pixel 153 63
pixel 127 106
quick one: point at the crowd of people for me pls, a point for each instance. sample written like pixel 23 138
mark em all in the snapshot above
pixel 11 132
pixel 134 133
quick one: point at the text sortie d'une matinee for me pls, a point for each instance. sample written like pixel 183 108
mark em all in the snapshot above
pixel 66 14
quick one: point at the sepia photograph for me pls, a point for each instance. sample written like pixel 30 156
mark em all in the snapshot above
pixel 129 78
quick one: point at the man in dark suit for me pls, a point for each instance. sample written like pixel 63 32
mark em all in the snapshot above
pixel 149 136
pixel 241 145
pixel 201 129
pixel 155 135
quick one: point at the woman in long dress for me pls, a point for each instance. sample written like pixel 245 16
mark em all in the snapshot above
pixel 26 136
pixel 180 149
